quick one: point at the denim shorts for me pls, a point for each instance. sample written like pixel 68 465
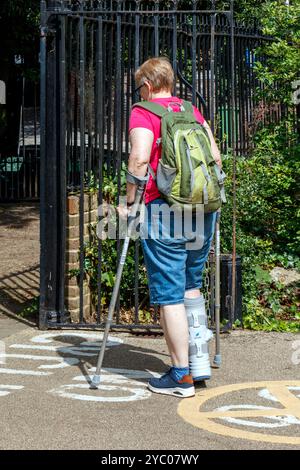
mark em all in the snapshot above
pixel 175 253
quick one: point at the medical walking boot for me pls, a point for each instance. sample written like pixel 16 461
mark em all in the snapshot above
pixel 199 336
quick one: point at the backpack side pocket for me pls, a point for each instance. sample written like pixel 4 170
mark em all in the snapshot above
pixel 165 177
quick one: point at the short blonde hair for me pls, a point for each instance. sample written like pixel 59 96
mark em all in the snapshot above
pixel 159 71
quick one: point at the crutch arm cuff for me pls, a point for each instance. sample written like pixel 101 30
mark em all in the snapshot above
pixel 138 180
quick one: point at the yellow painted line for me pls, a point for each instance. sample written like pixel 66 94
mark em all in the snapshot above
pixel 190 410
pixel 286 398
pixel 244 413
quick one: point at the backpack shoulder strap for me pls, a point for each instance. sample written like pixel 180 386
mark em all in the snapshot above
pixel 154 108
pixel 188 106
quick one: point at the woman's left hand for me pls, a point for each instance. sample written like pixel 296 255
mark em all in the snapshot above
pixel 123 211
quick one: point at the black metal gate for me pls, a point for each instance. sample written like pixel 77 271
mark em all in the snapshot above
pixel 89 52
pixel 20 150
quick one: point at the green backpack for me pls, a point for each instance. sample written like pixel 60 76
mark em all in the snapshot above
pixel 187 173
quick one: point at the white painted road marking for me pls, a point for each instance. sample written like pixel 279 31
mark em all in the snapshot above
pixel 6 389
pixel 50 337
pixel 88 347
pixel 2 352
pixel 264 393
pixel 281 421
pixel 22 372
pixel 119 380
pixel 63 361
pixel 75 351
pixel 242 415
pixel 122 383
pixel 132 394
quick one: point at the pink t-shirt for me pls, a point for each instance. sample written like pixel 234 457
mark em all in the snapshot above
pixel 142 118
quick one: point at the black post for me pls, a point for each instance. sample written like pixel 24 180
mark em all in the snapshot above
pixel 174 44
pixel 233 140
pixel 156 29
pixel 43 46
pixel 194 53
pixel 118 126
pixel 136 45
pixel 99 113
pixel 48 177
pixel 62 169
pixel 82 89
pixel 226 289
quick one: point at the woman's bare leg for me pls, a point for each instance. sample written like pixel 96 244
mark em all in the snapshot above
pixel 175 326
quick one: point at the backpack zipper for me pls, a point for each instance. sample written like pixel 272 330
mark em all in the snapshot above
pixel 188 153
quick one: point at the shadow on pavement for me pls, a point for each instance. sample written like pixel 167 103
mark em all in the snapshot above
pixel 123 356
pixel 17 291
pixel 18 215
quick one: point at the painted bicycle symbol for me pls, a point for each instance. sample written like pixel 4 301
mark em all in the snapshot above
pixel 280 392
pixel 56 353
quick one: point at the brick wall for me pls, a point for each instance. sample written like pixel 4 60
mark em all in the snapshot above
pixel 72 297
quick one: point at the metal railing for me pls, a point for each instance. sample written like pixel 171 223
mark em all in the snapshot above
pixel 89 52
pixel 20 164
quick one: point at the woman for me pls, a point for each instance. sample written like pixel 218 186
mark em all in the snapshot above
pixel 174 271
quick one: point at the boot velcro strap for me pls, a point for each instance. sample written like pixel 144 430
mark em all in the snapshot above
pixel 196 320
pixel 198 349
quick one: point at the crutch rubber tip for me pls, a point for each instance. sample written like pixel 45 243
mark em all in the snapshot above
pixel 217 360
pixel 95 382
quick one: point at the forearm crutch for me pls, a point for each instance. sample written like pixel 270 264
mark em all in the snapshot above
pixel 141 183
pixel 217 358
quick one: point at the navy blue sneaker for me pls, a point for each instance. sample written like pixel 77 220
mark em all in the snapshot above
pixel 167 385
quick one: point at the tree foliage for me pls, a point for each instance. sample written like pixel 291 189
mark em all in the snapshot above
pixel 19 32
pixel 282 65
pixel 268 182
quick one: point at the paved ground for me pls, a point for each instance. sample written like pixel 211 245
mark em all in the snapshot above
pixel 45 401
pixel 19 256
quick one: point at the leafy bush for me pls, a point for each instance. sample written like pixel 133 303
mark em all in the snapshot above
pixel 109 261
pixel 268 193
pixel 110 251
pixel 268 221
